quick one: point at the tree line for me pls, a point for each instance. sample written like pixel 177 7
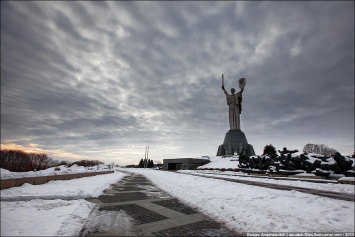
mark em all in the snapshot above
pixel 150 163
pixel 319 149
pixel 20 161
pixel 308 148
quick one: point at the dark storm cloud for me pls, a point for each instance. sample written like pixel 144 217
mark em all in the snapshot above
pixel 108 78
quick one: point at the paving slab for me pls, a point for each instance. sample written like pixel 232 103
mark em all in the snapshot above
pixel 122 197
pixel 201 228
pixel 128 188
pixel 150 228
pixel 176 205
pixel 161 210
pixel 140 214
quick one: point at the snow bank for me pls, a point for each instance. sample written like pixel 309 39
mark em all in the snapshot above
pixel 5 174
pixel 44 217
pixel 55 215
pixel 347 178
pixel 75 188
pixel 219 162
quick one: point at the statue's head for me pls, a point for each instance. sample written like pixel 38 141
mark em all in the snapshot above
pixel 232 90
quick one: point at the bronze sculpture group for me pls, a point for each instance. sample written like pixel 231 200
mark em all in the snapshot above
pixel 291 161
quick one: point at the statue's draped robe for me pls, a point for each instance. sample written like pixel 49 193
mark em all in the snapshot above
pixel 233 101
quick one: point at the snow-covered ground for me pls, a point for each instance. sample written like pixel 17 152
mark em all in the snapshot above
pixel 335 187
pixel 216 162
pixel 5 174
pixel 54 208
pixel 44 217
pixel 246 208
pixel 58 207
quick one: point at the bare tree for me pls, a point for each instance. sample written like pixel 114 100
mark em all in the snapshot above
pixel 20 161
pixel 319 149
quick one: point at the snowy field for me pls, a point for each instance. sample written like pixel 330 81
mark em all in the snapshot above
pixel 58 207
pixel 54 208
pixel 246 208
pixel 335 187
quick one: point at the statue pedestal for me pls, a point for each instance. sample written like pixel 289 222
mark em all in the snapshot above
pixel 235 143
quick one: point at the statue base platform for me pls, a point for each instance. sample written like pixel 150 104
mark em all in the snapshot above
pixel 235 143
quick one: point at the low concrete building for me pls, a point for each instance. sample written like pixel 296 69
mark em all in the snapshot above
pixel 183 163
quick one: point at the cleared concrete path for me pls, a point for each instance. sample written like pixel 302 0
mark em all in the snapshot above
pixel 136 207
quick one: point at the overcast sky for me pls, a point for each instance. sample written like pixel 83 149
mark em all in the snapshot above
pixel 102 80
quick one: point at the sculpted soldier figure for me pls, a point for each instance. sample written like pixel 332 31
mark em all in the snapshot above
pixel 234 101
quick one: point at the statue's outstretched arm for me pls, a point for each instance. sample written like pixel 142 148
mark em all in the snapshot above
pixel 224 90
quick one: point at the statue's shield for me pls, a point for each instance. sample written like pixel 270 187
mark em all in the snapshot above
pixel 242 82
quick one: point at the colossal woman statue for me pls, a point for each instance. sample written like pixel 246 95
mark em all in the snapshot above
pixel 235 142
pixel 234 101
